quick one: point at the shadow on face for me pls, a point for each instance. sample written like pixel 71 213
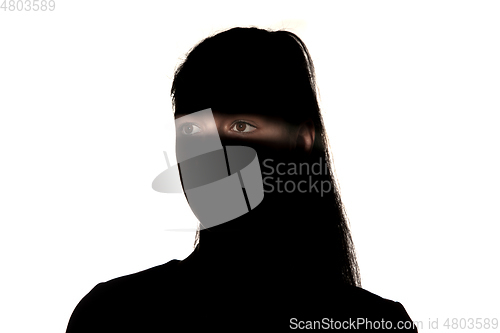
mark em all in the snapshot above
pixel 221 156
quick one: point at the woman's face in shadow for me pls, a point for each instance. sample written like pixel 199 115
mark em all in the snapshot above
pixel 220 154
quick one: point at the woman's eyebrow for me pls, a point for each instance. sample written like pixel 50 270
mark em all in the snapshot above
pixel 249 117
pixel 195 118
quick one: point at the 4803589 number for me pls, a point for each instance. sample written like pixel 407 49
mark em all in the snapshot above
pixel 28 5
pixel 471 323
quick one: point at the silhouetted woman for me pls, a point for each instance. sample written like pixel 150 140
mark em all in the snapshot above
pixel 288 263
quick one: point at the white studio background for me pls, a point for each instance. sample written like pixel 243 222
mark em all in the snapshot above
pixel 410 97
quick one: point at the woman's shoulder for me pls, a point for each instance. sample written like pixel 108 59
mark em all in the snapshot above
pixel 370 310
pixel 148 276
pixel 137 283
pixel 127 299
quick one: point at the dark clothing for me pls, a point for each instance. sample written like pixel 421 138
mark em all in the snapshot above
pixel 189 296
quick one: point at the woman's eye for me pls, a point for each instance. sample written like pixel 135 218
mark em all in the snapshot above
pixel 190 128
pixel 242 127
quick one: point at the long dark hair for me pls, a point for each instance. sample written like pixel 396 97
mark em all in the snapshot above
pixel 259 71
